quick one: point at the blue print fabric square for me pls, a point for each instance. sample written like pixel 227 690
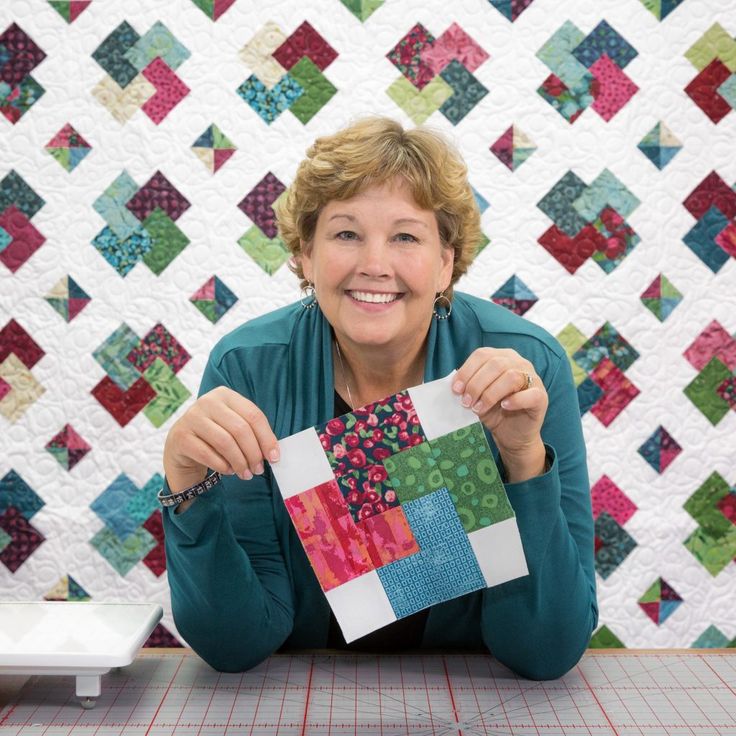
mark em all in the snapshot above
pixel 444 568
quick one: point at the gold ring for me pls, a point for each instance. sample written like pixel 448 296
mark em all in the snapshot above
pixel 529 381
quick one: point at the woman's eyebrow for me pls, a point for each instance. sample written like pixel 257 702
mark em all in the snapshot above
pixel 400 221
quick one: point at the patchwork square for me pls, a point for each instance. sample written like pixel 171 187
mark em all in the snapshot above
pixel 384 507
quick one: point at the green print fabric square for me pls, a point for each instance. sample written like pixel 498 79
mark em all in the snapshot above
pixel 463 463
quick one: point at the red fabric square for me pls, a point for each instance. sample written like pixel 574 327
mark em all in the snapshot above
pixel 305 41
pixel 618 391
pixel 123 405
pixel 14 339
pixel 571 253
pixel 702 90
pixel 711 191
pixel 606 496
pixel 26 239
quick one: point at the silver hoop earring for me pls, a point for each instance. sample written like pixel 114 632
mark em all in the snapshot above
pixel 309 297
pixel 437 305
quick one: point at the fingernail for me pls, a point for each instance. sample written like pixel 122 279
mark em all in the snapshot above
pixel 273 456
pixel 504 404
pixel 466 400
pixel 259 469
pixel 478 407
pixel 458 387
pixel 247 475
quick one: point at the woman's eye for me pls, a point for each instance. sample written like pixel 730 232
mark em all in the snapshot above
pixel 407 237
pixel 346 235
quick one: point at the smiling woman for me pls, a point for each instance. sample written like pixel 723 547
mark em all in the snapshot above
pixel 381 223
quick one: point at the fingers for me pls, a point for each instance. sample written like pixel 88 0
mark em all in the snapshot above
pixel 256 421
pixel 491 375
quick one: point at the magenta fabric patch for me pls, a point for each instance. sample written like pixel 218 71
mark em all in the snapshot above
pixel 606 496
pixel 356 445
pixel 170 90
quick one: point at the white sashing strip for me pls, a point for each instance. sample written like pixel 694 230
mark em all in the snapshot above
pixel 303 464
pixel 499 552
pixel 361 606
pixel 439 409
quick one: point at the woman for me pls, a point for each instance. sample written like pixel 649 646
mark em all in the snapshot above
pixel 381 223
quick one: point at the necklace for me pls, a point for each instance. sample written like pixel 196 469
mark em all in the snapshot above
pixel 344 375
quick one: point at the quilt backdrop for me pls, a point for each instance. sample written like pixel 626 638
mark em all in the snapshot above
pixel 143 144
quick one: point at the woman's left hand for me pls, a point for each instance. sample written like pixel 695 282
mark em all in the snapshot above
pixel 508 396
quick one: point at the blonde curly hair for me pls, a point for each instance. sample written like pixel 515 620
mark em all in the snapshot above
pixel 375 150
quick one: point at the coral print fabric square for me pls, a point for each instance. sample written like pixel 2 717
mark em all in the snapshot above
pixel 399 505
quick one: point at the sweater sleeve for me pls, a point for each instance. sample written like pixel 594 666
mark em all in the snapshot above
pixel 540 625
pixel 230 591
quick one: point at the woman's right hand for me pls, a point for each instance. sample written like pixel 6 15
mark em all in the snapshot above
pixel 222 430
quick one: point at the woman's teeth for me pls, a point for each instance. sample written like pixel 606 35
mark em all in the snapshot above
pixel 366 296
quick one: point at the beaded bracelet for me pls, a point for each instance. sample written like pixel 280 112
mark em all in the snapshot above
pixel 174 499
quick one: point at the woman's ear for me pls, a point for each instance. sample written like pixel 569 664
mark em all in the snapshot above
pixel 305 260
pixel 448 263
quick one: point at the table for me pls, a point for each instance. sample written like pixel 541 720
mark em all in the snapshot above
pixel 610 693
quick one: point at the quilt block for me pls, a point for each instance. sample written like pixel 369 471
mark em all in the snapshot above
pixel 399 505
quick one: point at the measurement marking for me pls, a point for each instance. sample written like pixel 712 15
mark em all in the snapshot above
pixel 309 690
pixel 452 697
pixel 595 697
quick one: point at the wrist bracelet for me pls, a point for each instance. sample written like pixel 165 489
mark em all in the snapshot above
pixel 174 499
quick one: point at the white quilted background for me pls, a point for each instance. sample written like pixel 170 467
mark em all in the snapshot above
pixel 513 222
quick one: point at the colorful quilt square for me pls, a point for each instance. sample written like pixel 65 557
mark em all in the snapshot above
pixel 368 495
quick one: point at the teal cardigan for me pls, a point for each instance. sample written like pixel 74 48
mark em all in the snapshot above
pixel 241 584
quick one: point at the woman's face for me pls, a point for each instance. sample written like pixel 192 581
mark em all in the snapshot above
pixel 377 263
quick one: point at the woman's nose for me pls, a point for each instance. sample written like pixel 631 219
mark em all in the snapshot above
pixel 375 257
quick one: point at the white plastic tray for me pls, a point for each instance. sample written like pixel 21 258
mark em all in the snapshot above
pixel 81 639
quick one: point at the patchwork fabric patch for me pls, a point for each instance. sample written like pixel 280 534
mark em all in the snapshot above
pixel 69 10
pixel 612 508
pixel 19 503
pixel 713 355
pixel 598 366
pixel 660 601
pixel 513 147
pixel 261 241
pixel 713 506
pixel 140 72
pixel 213 299
pixel 67 589
pixel 437 73
pixel 133 530
pixel 589 221
pixel 587 71
pixel 141 375
pixel 19 56
pixel 714 57
pixel 213 148
pixel 141 223
pixel 67 447
pixel 68 147
pixel 515 295
pixel 19 389
pixel 19 239
pixel 713 237
pixel 660 145
pixel 288 72
pixel 399 505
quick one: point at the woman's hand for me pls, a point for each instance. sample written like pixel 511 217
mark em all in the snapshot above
pixel 222 430
pixel 493 382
